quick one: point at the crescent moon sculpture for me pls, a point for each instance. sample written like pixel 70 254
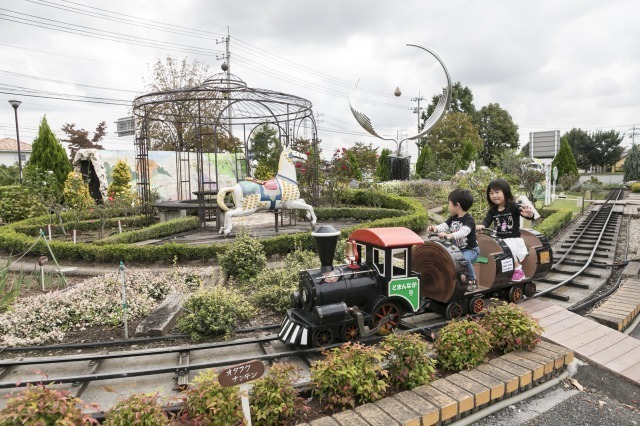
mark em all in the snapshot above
pixel 431 121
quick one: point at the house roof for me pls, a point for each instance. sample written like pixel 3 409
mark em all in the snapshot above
pixel 8 144
pixel 387 237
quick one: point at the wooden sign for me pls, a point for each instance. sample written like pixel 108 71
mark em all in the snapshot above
pixel 241 373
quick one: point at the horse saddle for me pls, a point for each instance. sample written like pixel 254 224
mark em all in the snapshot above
pixel 270 184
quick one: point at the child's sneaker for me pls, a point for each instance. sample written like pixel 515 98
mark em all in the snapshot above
pixel 518 275
pixel 472 286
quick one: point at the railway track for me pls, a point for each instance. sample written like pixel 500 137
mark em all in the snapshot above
pixel 583 260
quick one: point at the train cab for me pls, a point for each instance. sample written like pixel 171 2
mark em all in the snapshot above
pixel 389 250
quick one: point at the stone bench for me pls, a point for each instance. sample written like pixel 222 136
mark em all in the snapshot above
pixel 163 319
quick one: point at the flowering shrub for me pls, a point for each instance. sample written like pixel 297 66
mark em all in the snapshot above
pixel 244 258
pixel 138 409
pixel 40 405
pixel 350 375
pixel 462 344
pixel 511 327
pixel 409 362
pixel 273 286
pixel 273 397
pixel 416 188
pixel 213 312
pixel 95 301
pixel 209 403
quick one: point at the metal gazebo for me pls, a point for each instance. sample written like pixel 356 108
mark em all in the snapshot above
pixel 198 117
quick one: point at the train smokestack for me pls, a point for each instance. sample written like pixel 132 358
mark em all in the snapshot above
pixel 326 240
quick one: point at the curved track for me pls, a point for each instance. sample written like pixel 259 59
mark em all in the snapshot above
pixel 582 261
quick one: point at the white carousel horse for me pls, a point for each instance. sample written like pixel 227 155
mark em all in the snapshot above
pixel 279 192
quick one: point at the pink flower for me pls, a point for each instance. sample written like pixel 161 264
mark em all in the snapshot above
pixel 469 332
pixel 303 169
pixel 308 152
pixel 344 149
pixel 518 341
pixel 344 167
pixel 298 165
pixel 337 150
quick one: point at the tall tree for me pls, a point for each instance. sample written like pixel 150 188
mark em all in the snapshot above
pixel 79 138
pixel 265 148
pixel 582 147
pixel 632 164
pixel 447 138
pixel 607 149
pixel 47 154
pixel 565 162
pixel 468 153
pixel 382 171
pixel 497 131
pixel 425 165
pixel 178 128
pixel 366 156
pixel 461 101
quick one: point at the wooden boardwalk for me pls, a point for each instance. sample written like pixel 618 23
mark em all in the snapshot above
pixel 590 340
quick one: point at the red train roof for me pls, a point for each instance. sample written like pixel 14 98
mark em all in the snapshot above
pixel 387 237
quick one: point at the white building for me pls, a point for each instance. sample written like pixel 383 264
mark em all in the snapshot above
pixel 9 152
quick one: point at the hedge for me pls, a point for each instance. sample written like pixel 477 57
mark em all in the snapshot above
pixel 119 247
pixel 84 225
pixel 635 187
pixel 554 222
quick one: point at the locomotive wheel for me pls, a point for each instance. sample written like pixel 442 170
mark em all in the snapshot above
pixel 476 305
pixel 515 294
pixel 350 332
pixel 453 311
pixel 382 311
pixel 322 337
pixel 530 289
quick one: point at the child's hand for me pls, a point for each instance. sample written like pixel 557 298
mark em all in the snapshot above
pixel 432 228
pixel 479 228
pixel 526 212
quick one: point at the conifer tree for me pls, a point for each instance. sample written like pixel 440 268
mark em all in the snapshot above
pixel 76 193
pixel 356 173
pixel 48 154
pixel 121 180
pixel 425 164
pixel 632 164
pixel 566 162
pixel 382 172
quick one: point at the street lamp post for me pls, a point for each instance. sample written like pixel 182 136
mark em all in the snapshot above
pixel 15 104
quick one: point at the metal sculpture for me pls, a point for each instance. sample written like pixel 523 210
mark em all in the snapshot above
pixel 252 195
pixel 431 121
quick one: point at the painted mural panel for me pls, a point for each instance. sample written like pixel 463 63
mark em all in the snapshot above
pixel 163 175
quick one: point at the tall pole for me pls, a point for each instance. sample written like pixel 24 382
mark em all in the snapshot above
pixel 15 104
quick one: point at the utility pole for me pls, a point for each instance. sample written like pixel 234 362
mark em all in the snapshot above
pixel 417 110
pixel 633 134
pixel 226 67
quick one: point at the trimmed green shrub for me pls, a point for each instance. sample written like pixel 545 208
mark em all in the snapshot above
pixel 349 375
pixel 137 409
pixel 272 287
pixel 213 312
pixel 17 204
pixel 635 187
pixel 76 192
pixel 409 363
pixel 244 258
pixel 39 405
pixel 462 344
pixel 554 223
pixel 209 403
pixel 273 397
pixel 157 230
pixel 511 327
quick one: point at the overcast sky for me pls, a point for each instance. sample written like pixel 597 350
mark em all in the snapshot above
pixel 552 65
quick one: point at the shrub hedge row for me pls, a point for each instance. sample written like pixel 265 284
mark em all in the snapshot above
pixel 635 187
pixel 554 222
pixel 84 225
pixel 120 248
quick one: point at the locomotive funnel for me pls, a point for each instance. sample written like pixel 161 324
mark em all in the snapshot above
pixel 326 240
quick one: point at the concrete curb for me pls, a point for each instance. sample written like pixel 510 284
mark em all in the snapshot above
pixel 460 394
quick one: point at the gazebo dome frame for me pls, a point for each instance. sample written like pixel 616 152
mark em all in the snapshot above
pixel 222 103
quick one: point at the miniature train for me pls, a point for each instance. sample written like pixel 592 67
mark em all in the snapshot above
pixel 392 271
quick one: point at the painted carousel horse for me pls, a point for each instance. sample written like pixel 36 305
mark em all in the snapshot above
pixel 252 195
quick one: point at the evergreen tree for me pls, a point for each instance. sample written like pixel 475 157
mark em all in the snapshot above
pixel 47 154
pixel 632 164
pixel 382 172
pixel 266 147
pixel 76 193
pixel 121 180
pixel 468 154
pixel 355 173
pixel 566 162
pixel 425 164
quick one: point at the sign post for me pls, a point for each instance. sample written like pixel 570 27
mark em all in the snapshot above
pixel 240 374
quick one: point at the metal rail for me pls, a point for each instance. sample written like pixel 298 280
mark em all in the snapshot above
pixel 615 195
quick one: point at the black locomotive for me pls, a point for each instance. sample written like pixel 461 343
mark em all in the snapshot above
pixel 392 271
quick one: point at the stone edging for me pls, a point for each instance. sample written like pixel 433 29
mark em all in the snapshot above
pixel 460 394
